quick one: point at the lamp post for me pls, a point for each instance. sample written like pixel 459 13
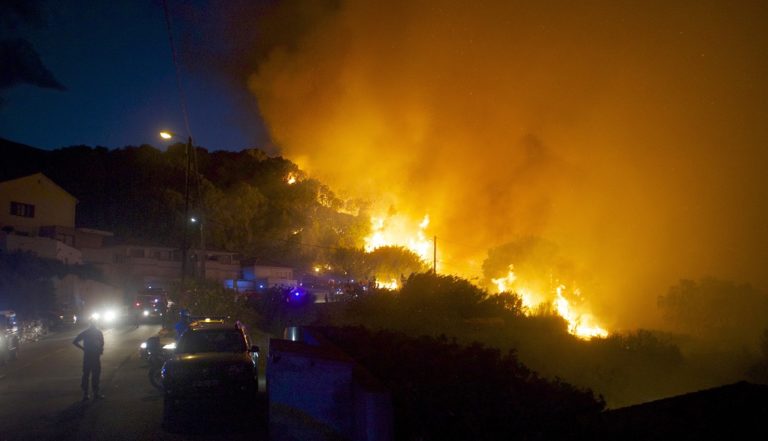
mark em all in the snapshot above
pixel 184 245
pixel 202 255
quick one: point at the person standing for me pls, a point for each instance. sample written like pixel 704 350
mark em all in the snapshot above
pixel 183 324
pixel 91 342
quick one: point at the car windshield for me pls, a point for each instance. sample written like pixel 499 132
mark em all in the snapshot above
pixel 211 340
pixel 150 299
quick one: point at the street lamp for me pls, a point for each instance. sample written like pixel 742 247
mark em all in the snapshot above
pixel 170 135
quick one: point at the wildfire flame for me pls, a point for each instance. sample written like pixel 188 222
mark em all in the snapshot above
pixel 396 230
pixel 580 323
pixel 391 285
pixel 291 179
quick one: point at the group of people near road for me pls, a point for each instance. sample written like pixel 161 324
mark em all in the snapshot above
pixel 91 342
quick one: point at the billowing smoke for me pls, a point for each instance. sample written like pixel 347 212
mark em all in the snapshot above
pixel 633 136
pixel 21 62
pixel 23 65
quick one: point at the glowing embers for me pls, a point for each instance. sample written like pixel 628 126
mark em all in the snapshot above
pixel 391 285
pixel 581 322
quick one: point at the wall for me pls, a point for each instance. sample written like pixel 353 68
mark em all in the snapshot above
pixel 317 392
pixel 42 247
pixel 274 275
pixel 87 294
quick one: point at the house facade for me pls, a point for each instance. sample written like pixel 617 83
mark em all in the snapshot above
pixel 264 276
pixel 141 266
pixel 31 202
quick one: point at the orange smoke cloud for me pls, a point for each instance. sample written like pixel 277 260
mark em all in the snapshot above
pixel 632 136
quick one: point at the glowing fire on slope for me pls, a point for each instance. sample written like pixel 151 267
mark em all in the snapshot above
pixel 397 230
pixel 580 323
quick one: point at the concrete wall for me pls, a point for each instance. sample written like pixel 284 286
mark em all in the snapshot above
pixel 317 392
pixel 85 294
pixel 273 275
pixel 137 266
pixel 42 247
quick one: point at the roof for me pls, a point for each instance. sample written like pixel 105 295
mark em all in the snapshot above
pixel 46 179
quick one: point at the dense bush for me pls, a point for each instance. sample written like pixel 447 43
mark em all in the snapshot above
pixel 442 390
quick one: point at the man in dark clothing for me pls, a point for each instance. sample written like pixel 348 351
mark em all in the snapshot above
pixel 183 324
pixel 91 341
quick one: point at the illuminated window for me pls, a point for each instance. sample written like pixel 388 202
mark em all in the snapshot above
pixel 22 209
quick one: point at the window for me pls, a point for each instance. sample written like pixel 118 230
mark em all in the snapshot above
pixel 22 209
pixel 161 255
pixel 136 252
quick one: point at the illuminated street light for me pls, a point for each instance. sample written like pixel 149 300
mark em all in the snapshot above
pixel 166 135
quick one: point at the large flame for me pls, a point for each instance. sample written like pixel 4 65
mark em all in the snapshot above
pixel 581 322
pixel 398 230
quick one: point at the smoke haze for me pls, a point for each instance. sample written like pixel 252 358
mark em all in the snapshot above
pixel 633 136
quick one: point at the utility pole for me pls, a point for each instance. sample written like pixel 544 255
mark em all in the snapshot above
pixel 434 256
pixel 203 254
pixel 184 232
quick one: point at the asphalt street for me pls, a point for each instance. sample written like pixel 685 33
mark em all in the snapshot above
pixel 40 397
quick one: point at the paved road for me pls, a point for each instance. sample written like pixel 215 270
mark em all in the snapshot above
pixel 40 397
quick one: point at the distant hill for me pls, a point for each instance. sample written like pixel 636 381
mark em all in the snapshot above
pixel 253 204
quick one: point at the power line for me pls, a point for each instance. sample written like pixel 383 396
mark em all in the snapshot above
pixel 174 56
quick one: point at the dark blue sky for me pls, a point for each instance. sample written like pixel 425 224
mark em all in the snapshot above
pixel 114 60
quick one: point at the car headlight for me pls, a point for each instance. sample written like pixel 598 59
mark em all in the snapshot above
pixel 110 315
pixel 95 316
pixel 170 346
pixel 146 313
pixel 143 345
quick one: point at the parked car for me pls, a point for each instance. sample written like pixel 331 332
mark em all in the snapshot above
pixel 63 318
pixel 213 359
pixel 154 344
pixel 9 336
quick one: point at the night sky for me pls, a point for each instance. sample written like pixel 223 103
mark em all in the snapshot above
pixel 631 134
pixel 113 60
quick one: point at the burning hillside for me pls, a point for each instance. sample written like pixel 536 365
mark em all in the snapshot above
pixel 623 132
